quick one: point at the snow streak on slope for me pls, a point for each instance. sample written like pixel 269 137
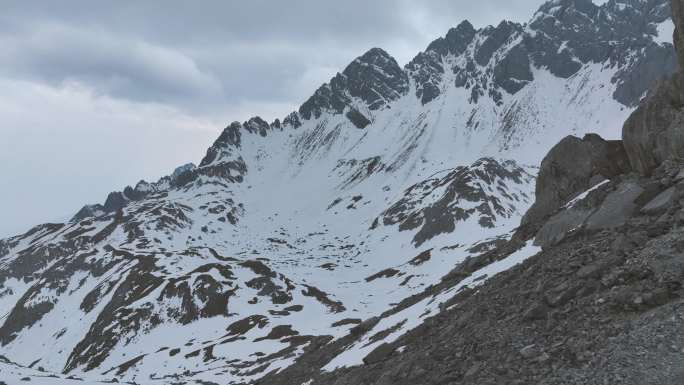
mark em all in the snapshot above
pixel 407 319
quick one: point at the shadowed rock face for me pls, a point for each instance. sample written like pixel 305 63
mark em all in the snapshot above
pixel 678 18
pixel 375 78
pixel 655 131
pixel 484 191
pixel 572 166
pixel 590 35
pixel 427 68
pixel 562 37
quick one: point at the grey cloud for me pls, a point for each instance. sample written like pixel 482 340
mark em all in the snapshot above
pixel 201 57
pixel 128 69
pixel 183 22
pixel 62 148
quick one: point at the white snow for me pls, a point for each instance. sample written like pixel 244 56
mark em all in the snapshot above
pixel 413 316
pixel 584 194
pixel 665 32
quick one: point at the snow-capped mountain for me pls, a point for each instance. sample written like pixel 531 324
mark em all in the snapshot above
pixel 288 235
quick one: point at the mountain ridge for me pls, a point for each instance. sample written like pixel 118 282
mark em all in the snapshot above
pixel 352 91
pixel 426 70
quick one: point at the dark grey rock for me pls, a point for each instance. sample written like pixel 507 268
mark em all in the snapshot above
pixel 617 208
pixel 87 211
pixel 496 37
pixel 230 137
pixel 375 77
pixel 513 71
pixel 590 33
pixel 292 120
pixel 357 118
pixel 537 311
pixel 426 68
pixel 639 76
pixel 623 243
pixel 456 40
pixel 556 228
pixel 115 201
pixel 378 354
pixel 678 18
pixel 568 169
pixel 655 131
pixel 661 202
pixel 531 351
pixel 444 215
pixel 561 294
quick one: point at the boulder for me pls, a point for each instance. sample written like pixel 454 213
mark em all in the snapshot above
pixel 570 168
pixel 560 225
pixel 660 203
pixel 617 208
pixel 679 177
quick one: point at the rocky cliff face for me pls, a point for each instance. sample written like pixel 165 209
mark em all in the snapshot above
pixel 572 166
pixel 678 17
pixel 374 79
pixel 653 133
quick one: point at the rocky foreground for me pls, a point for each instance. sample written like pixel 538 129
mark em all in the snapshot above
pixel 600 304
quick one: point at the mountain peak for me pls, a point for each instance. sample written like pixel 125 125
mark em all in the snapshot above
pixel 374 78
pixel 375 55
pixel 465 25
pixel 257 125
pixel 455 41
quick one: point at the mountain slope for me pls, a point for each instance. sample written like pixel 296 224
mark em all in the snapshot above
pixel 600 303
pixel 288 234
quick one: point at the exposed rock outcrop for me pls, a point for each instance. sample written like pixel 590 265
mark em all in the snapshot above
pixel 374 77
pixel 655 131
pixel 678 18
pixel 571 167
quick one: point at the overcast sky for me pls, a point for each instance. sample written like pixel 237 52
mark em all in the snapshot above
pixel 96 95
